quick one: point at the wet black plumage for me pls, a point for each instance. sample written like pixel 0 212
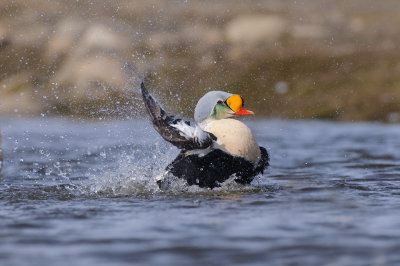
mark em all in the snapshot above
pixel 214 168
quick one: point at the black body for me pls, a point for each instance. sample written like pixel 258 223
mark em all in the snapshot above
pixel 214 168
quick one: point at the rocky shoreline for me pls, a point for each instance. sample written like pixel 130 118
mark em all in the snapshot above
pixel 290 59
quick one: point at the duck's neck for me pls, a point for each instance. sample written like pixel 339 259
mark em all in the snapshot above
pixel 205 123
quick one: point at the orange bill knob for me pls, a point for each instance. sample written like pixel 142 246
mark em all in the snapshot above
pixel 235 102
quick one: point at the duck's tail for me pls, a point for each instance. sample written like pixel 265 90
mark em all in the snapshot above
pixel 263 163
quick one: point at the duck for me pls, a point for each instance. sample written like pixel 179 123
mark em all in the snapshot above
pixel 213 149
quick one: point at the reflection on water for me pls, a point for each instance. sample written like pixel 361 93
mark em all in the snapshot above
pixel 82 193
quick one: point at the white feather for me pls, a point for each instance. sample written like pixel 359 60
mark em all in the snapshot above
pixel 189 132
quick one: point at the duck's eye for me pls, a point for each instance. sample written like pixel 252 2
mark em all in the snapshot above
pixel 220 102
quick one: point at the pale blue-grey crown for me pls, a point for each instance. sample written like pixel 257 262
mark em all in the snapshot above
pixel 206 104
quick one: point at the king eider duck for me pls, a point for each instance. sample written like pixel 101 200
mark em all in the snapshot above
pixel 215 148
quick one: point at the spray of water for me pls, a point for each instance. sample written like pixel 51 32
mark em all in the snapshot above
pixel 136 175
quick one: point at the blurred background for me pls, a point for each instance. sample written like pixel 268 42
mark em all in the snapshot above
pixel 326 59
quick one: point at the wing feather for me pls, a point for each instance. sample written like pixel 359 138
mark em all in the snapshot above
pixel 176 131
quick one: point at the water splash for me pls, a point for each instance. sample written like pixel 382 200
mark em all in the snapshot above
pixel 137 176
pixel 134 173
pixel 101 159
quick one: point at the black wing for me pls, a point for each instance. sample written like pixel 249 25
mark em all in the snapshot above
pixel 176 131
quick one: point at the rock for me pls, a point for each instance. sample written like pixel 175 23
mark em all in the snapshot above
pixel 309 31
pixel 4 36
pixel 95 38
pixel 162 40
pixel 99 37
pixel 17 95
pixel 65 36
pixel 88 72
pixel 197 35
pixel 357 24
pixel 84 76
pixel 201 35
pixel 251 29
pixel 28 37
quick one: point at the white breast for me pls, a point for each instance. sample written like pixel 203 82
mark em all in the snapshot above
pixel 234 137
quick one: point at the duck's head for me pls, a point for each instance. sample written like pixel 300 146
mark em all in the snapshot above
pixel 219 105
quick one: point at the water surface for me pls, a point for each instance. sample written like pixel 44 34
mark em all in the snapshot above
pixel 82 193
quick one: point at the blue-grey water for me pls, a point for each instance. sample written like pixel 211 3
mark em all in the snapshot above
pixel 82 193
